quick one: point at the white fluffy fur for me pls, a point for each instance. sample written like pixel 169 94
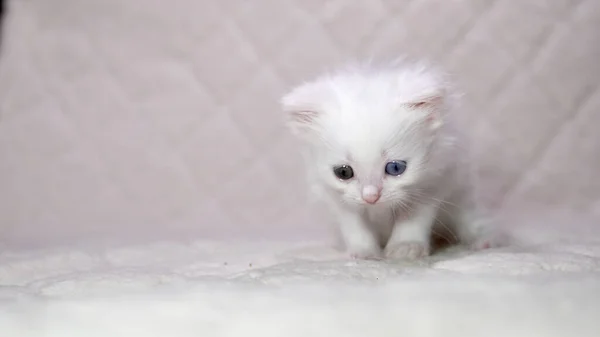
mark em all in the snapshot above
pixel 365 116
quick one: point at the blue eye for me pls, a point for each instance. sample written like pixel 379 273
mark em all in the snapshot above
pixel 395 168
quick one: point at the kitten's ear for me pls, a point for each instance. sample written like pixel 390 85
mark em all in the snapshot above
pixel 302 110
pixel 431 104
pixel 301 120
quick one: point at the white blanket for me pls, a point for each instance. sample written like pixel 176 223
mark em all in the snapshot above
pixel 547 286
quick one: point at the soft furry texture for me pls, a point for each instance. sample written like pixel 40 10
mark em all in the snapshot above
pixel 362 118
pixel 547 286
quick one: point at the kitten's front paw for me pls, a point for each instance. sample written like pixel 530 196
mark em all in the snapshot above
pixel 410 250
pixel 364 253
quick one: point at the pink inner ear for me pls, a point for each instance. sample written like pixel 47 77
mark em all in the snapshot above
pixel 419 104
pixel 427 102
pixel 303 116
pixel 428 105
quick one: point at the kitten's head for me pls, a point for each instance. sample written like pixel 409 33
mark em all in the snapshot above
pixel 374 134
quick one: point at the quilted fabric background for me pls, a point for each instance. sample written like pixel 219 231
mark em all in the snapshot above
pixel 153 118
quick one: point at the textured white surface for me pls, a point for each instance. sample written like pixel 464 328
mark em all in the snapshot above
pixel 548 285
pixel 162 120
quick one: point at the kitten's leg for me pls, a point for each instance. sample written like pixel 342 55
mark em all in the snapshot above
pixel 470 219
pixel 475 227
pixel 477 230
pixel 360 240
pixel 411 237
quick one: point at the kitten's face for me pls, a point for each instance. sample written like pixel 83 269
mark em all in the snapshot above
pixel 374 161
pixel 371 134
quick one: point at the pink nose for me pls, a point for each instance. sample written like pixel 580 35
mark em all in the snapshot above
pixel 371 198
pixel 371 194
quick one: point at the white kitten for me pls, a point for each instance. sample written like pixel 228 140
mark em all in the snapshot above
pixel 382 150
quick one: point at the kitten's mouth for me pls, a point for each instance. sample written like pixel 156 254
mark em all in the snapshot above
pixel 375 203
pixel 371 200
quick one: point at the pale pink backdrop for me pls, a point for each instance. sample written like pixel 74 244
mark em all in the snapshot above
pixel 130 121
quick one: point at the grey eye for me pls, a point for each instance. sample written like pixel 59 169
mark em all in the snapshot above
pixel 395 168
pixel 343 172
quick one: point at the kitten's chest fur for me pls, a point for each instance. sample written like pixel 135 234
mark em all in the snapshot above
pixel 381 219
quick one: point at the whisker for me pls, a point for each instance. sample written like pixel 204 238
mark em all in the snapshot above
pixel 420 197
pixel 442 204
pixel 434 232
pixel 447 228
